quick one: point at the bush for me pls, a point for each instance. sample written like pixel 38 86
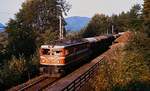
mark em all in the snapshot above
pixel 18 70
pixel 12 72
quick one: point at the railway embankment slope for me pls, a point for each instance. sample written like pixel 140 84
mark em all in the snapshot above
pixel 123 67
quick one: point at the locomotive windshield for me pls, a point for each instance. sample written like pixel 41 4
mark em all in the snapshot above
pixel 54 52
pixel 45 51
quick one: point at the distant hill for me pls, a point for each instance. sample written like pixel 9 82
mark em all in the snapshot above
pixel 2 27
pixel 76 23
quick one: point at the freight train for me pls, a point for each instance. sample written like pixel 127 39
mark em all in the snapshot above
pixel 59 58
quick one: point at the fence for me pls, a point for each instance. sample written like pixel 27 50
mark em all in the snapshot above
pixel 80 81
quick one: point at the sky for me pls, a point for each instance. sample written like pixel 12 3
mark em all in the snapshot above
pixel 86 8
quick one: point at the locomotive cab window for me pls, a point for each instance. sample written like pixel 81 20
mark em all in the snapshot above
pixel 45 51
pixel 57 52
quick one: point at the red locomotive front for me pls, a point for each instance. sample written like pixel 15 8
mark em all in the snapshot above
pixel 58 59
pixel 52 55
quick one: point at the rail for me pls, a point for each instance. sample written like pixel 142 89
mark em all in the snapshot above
pixel 80 81
pixel 37 84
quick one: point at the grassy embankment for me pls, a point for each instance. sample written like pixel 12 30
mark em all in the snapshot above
pixel 125 67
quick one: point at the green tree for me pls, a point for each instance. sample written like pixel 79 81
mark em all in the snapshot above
pixel 21 39
pixel 135 18
pixel 3 46
pixel 123 21
pixel 131 20
pixel 140 45
pixel 50 36
pixel 31 22
pixel 98 25
pixel 13 72
pixel 146 15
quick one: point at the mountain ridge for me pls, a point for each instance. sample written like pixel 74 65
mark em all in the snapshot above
pixel 2 27
pixel 74 23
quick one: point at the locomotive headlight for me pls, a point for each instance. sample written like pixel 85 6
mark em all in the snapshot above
pixel 43 60
pixel 57 60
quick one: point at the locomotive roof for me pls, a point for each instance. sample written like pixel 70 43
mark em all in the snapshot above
pixel 67 43
pixel 64 43
pixel 97 38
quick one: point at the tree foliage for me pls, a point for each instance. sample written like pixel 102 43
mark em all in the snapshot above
pixel 146 15
pixel 21 39
pixel 102 24
pixel 98 25
pixel 41 15
pixel 36 22
pixel 3 46
pixel 140 45
pixel 131 20
pixel 135 18
pixel 12 72
pixel 18 70
pixel 50 36
pixel 31 22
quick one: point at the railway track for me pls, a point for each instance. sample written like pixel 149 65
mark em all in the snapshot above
pixel 37 84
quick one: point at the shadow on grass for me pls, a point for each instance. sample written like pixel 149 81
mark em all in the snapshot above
pixel 133 86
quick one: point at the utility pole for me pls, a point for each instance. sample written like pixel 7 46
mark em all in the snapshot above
pixel 112 28
pixel 60 29
pixel 107 31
